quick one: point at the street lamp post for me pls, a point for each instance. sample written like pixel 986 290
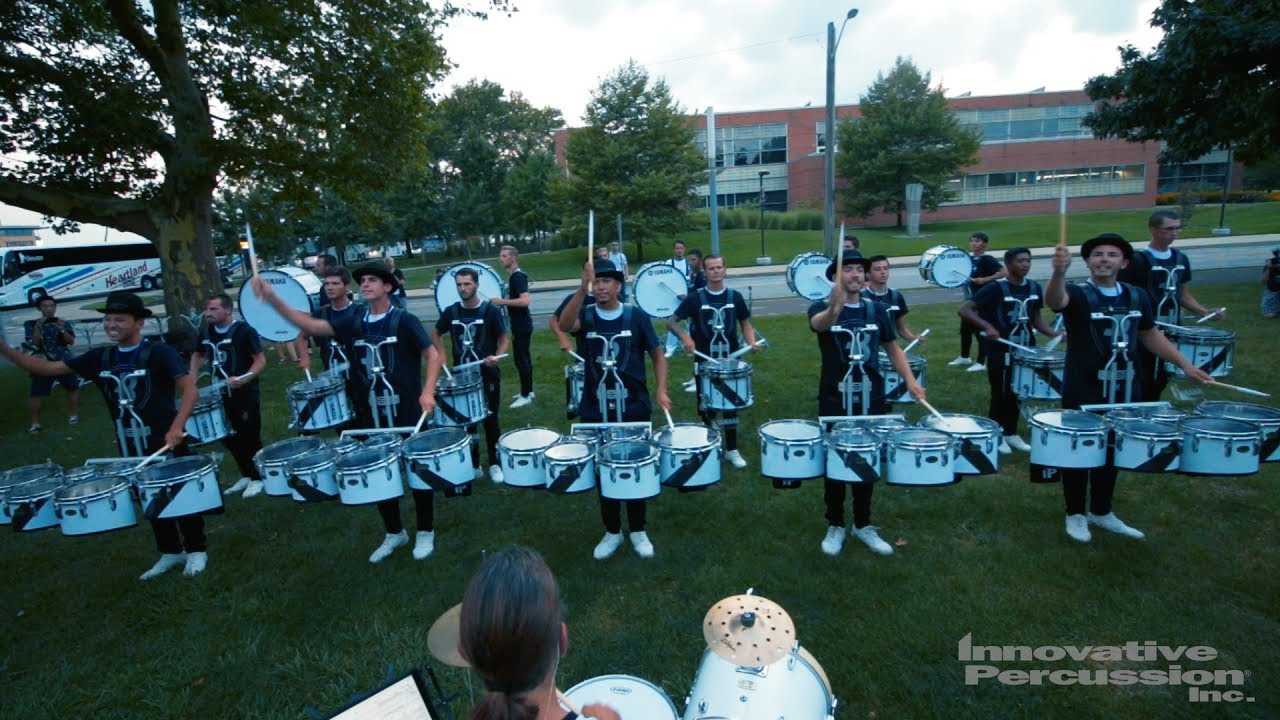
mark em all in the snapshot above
pixel 763 259
pixel 829 185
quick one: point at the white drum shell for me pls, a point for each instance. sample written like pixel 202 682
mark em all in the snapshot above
pixel 35 498
pixel 191 482
pixel 945 266
pixel 1068 439
pixel 628 470
pixel 450 459
pixel 1027 374
pixel 1210 349
pixel 1265 417
pixel 99 505
pixel 791 450
pixel 685 447
pixel 1217 446
pixel 1136 442
pixel 464 395
pixel 24 475
pixel 323 401
pixel 857 441
pixel 631 696
pixel 273 462
pixel 521 453
pixel 894 389
pixel 369 476
pixel 789 688
pixel 316 472
pixel 807 276
pixel 734 375
pixel 915 456
pixel 983 433
pixel 208 421
pixel 576 458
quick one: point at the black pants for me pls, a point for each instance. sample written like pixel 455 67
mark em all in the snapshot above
pixel 492 398
pixel 1099 484
pixel 728 426
pixel 524 361
pixel 424 506
pixel 611 510
pixel 178 534
pixel 833 496
pixel 1004 403
pixel 967 334
pixel 244 414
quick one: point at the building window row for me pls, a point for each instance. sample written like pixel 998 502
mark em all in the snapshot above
pixel 1046 184
pixel 1026 124
pixel 774 200
pixel 747 145
pixel 1195 176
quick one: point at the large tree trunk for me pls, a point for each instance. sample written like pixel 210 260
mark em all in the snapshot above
pixel 185 242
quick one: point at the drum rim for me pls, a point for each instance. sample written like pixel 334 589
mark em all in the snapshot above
pixel 993 426
pixel 833 442
pixel 946 442
pixel 792 441
pixel 1101 428
pixel 262 458
pixel 651 458
pixel 1218 434
pixel 384 460
pixel 24 492
pixel 1194 332
pixel 325 458
pixel 1273 418
pixel 588 456
pixel 1053 358
pixel 467 379
pixel 147 480
pixel 462 439
pixel 526 451
pixel 1123 428
pixel 713 437
pixel 614 677
pixel 121 484
pixel 331 382
pixel 13 471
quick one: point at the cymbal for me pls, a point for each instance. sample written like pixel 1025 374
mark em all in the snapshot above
pixel 749 630
pixel 442 639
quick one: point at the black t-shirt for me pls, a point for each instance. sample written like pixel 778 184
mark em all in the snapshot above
pixel 984 265
pixel 735 311
pixel 155 395
pixel 1273 275
pixel 237 356
pixel 589 299
pixel 1003 314
pixel 1090 346
pixel 834 349
pixel 401 362
pixel 1142 272
pixel 346 325
pixel 518 284
pixel 630 360
pixel 890 298
pixel 484 337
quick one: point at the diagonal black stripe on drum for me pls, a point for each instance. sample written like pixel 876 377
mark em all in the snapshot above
pixel 1218 360
pixel 688 468
pixel 429 476
pixel 896 392
pixel 859 465
pixel 452 412
pixel 1053 381
pixel 1269 444
pixel 1161 460
pixel 24 514
pixel 308 410
pixel 729 393
pixel 308 492
pixel 565 479
pixel 970 451
pixel 159 501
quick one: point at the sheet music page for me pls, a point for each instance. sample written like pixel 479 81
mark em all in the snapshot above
pixel 400 701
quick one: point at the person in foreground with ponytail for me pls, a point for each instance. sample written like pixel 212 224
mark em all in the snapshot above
pixel 513 633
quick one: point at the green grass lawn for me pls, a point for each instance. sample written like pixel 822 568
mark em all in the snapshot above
pixel 741 247
pixel 290 614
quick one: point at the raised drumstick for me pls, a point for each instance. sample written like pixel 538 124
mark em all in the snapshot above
pixel 1237 388
pixel 932 409
pixel 1062 217
pixel 155 455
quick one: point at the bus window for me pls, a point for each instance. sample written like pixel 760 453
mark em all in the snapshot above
pixel 11 269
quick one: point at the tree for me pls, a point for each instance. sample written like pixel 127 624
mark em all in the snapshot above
pixel 130 115
pixel 906 134
pixel 526 194
pixel 1213 81
pixel 635 157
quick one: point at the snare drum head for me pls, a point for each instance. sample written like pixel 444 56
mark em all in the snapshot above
pixel 33 490
pixel 569 451
pixel 657 289
pixel 433 440
pixel 1239 411
pixel 1069 419
pixel 792 430
pixel 446 292
pixel 855 437
pixel 613 434
pixel 1142 427
pixel 382 441
pixel 534 438
pixel 28 473
pixel 1197 334
pixel 285 450
pixel 97 486
pixel 687 435
pixel 1217 425
pixel 630 696
pixel 318 460
pixel 322 385
pixel 173 469
pixel 362 459
pixel 342 446
pixel 1040 358
pixel 271 325
pixel 807 276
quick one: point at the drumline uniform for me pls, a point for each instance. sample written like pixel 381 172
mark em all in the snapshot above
pixel 1162 276
pixel 733 311
pixel 243 405
pixel 834 349
pixel 347 327
pixel 1003 304
pixel 521 322
pixel 486 331
pixel 984 265
pixel 672 343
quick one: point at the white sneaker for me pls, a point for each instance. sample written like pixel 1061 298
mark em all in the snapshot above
pixel 976 367
pixel 1017 443
pixel 735 459
pixel 691 386
pixel 669 352
pixel 1004 448
pixel 253 488
pixel 196 563
pixel 833 543
pixel 608 545
pixel 239 487
pixel 167 562
pixel 389 544
pixel 1078 528
pixel 495 474
pixel 479 473
pixel 1115 525
pixel 960 362
pixel 640 541
pixel 423 545
pixel 871 539
pixel 522 400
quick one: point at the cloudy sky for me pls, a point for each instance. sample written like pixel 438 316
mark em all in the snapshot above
pixel 751 54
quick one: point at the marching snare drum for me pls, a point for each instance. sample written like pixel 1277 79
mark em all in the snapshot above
pixel 369 475
pixel 853 454
pixel 312 477
pixel 919 456
pixel 945 266
pixel 639 433
pixel 658 288
pixel 460 400
pixel 570 467
pixel 24 475
pixel 1267 418
pixel 895 387
pixel 521 454
pixel 1037 376
pixel 1068 439
pixel 807 276
pixel 725 385
pixel 791 450
pixel 295 291
pixel 208 421
pixel 794 687
pixel 490 285
pixel 574 382
pixel 1210 349
pixel 344 445
pixel 1144 445
pixel 179 487
pixel 438 459
pixel 1218 446
pixel 688 455
pixel 388 441
pixel 100 504
pixel 29 506
pixel 273 462
pixel 630 696
pixel 628 470
pixel 318 404
pixel 978 437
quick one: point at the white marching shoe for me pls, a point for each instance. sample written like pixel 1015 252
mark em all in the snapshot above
pixel 522 400
pixel 239 487
pixel 253 488
pixel 1004 448
pixel 833 543
pixel 167 562
pixel 735 459
pixel 871 539
pixel 424 544
pixel 1115 525
pixel 196 563
pixel 388 546
pixel 608 545
pixel 960 362
pixel 1078 528
pixel 495 474
pixel 1017 443
pixel 640 541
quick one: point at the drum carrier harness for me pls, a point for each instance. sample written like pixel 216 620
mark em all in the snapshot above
pixel 610 386
pixel 855 379
pixel 131 432
pixel 383 398
pixel 1113 374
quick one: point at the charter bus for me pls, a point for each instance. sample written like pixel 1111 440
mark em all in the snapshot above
pixel 76 271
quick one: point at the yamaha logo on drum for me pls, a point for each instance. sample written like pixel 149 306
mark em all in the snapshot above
pixel 816 260
pixel 277 280
pixel 662 270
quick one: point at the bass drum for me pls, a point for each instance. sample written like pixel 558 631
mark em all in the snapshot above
pixel 295 286
pixel 807 276
pixel 945 266
pixel 630 696
pixel 794 687
pixel 446 292
pixel 658 287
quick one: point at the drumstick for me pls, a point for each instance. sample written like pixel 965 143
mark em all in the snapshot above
pixel 155 455
pixel 253 255
pixel 670 423
pixel 744 350
pixel 1062 217
pixel 418 428
pixel 568 705
pixel 576 356
pixel 1011 344
pixel 708 358
pixel 1211 315
pixel 1168 325
pixel 473 363
pixel 1052 344
pixel 1237 388
pixel 915 342
pixel 932 409
pixel 308 372
pixel 591 235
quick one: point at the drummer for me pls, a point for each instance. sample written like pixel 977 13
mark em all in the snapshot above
pixel 239 363
pixel 731 309
pixel 1008 308
pixel 477 332
pixel 513 633
pixel 1091 351
pixel 986 270
pixel 608 318
pixel 403 362
pixel 181 541
pixel 517 303
pixel 878 290
pixel 680 262
pixel 845 309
